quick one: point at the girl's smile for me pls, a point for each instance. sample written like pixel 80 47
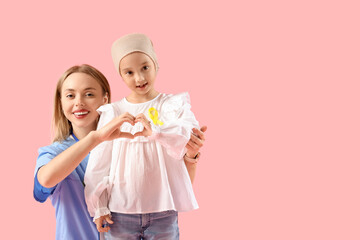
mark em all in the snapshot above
pixel 141 85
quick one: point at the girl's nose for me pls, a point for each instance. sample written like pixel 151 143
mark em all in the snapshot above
pixel 139 78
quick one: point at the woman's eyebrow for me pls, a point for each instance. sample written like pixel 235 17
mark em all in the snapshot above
pixel 72 90
pixel 69 90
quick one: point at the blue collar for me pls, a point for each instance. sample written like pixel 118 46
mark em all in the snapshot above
pixel 76 139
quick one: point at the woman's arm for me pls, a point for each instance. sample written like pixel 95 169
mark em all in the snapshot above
pixel 63 164
pixel 193 146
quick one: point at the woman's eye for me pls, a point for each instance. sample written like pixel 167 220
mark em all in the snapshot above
pixel 69 95
pixel 146 67
pixel 89 95
pixel 129 73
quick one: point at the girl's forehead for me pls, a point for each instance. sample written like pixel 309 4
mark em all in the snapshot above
pixel 135 58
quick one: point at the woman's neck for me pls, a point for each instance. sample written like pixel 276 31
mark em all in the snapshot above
pixel 80 133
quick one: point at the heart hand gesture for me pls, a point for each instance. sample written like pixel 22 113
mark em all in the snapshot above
pixel 147 126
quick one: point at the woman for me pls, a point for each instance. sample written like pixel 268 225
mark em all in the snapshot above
pixel 60 167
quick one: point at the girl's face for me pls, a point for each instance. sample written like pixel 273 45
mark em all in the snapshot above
pixel 139 73
pixel 81 95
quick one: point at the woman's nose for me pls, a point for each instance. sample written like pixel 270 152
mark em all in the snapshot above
pixel 79 102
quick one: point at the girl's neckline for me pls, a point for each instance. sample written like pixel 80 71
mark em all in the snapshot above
pixel 142 102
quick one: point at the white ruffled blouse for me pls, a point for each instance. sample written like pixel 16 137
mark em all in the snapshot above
pixel 145 174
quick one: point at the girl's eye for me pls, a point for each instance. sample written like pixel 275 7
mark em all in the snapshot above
pixel 89 94
pixel 69 96
pixel 129 73
pixel 146 67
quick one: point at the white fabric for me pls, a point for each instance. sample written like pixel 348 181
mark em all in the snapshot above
pixel 143 175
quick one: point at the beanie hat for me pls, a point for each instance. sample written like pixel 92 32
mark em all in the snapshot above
pixel 135 42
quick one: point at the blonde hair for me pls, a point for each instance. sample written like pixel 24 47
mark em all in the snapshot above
pixel 61 126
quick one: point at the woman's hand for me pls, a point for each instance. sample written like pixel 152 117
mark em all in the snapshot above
pixel 112 131
pixel 196 142
pixel 193 146
pixel 101 223
pixel 147 126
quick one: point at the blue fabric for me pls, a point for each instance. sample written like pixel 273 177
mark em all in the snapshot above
pixel 72 134
pixel 72 218
pixel 41 193
pixel 159 225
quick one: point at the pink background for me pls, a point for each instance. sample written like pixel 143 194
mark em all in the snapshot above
pixel 276 82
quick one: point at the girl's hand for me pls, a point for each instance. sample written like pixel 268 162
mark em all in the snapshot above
pixel 147 126
pixel 112 131
pixel 101 223
pixel 196 141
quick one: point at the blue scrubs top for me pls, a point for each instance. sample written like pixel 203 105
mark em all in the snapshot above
pixel 72 218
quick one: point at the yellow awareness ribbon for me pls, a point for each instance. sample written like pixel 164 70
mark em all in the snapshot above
pixel 154 114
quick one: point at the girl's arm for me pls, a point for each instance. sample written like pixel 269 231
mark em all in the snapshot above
pixel 63 164
pixel 172 126
pixel 193 146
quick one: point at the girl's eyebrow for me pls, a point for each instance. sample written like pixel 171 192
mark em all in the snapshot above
pixel 126 69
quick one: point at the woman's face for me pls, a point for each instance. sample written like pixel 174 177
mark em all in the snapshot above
pixel 81 95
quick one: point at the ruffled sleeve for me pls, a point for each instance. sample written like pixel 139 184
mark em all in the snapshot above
pixel 175 124
pixel 97 186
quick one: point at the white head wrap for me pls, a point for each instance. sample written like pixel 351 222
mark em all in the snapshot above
pixel 135 42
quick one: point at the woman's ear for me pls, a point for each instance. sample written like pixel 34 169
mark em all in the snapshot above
pixel 106 98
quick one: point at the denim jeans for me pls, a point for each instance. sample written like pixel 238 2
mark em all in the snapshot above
pixel 151 226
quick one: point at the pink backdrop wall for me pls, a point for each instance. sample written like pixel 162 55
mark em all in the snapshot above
pixel 276 82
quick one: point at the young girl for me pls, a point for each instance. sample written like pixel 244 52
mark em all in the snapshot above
pixel 60 167
pixel 140 184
